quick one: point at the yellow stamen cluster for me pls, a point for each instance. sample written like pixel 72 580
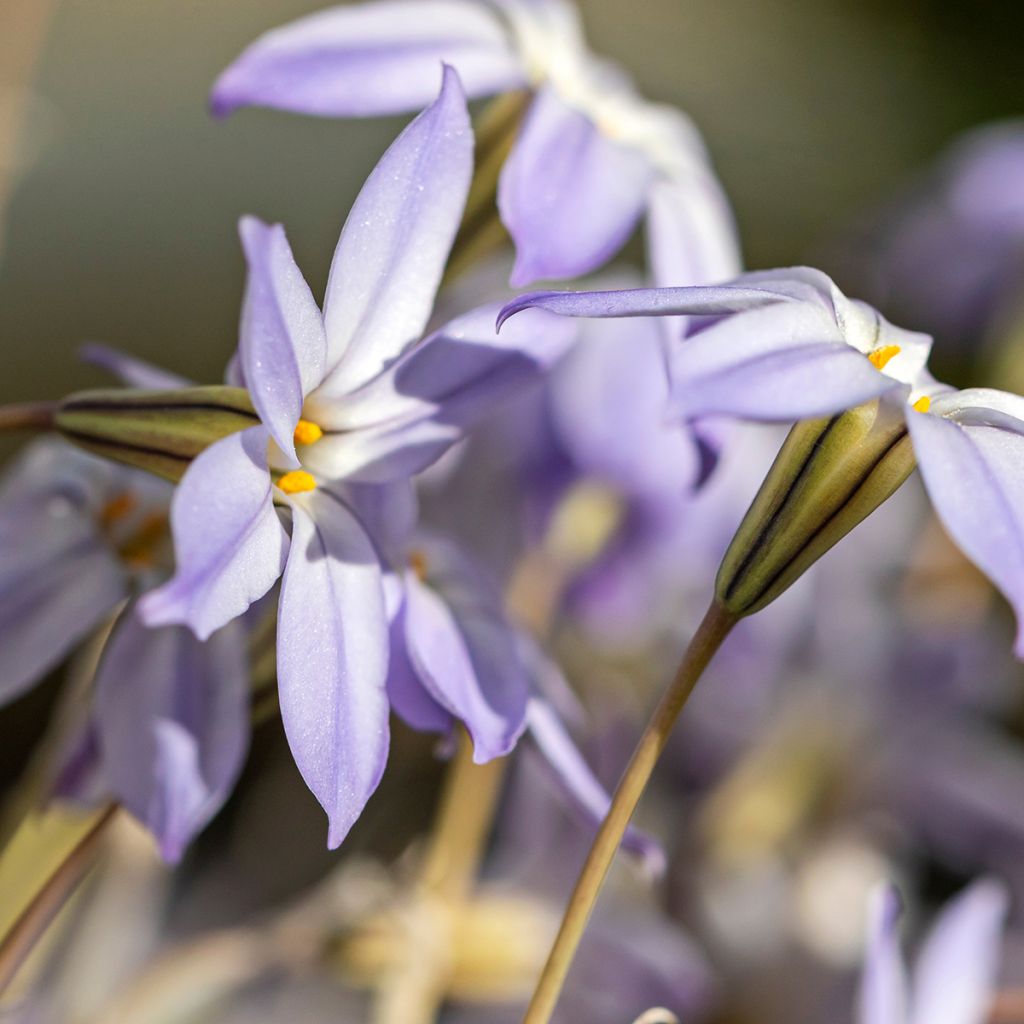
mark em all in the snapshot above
pixel 923 404
pixel 297 481
pixel 880 356
pixel 307 432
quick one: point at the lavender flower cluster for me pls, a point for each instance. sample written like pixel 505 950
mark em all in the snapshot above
pixel 433 498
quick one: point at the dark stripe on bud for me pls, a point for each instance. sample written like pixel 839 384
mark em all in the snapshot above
pixel 828 476
pixel 159 431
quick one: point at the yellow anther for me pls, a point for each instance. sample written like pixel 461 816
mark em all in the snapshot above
pixel 297 481
pixel 880 356
pixel 923 404
pixel 418 564
pixel 117 508
pixel 307 432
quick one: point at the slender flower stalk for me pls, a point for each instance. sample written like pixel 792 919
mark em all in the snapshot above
pixel 414 993
pixel 27 416
pixel 51 898
pixel 465 813
pixel 710 635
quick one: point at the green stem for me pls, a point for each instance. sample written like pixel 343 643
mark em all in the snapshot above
pixel 27 416
pixel 712 631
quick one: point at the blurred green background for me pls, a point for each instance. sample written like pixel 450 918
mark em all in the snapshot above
pixel 121 227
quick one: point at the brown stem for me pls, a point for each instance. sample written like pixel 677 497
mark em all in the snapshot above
pixel 47 903
pixel 27 416
pixel 709 636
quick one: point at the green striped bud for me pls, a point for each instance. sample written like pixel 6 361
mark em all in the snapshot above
pixel 828 476
pixel 159 431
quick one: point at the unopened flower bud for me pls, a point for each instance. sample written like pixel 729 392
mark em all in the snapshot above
pixel 828 476
pixel 159 431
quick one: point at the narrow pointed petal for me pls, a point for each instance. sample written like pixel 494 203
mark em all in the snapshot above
pixel 574 777
pixel 785 362
pixel 409 698
pixel 395 243
pixel 973 476
pixel 173 721
pixel 136 373
pixel 367 59
pixel 569 195
pixel 282 345
pixel 702 300
pixel 229 544
pixel 691 233
pixel 883 986
pixel 955 976
pixel 332 659
pixel 407 417
pixel 463 651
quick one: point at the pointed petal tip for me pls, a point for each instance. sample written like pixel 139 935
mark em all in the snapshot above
pixel 172 849
pixel 451 100
pixel 522 302
pixel 888 905
pixel 336 833
pixel 163 607
pixel 652 857
pixel 220 104
pixel 522 273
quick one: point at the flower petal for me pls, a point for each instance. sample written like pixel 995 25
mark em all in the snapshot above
pixel 955 975
pixel 60 585
pixel 59 576
pixel 407 417
pixel 409 698
pixel 784 362
pixel 281 345
pixel 569 195
pixel 463 649
pixel 173 721
pixel 229 543
pixel 701 300
pixel 574 777
pixel 395 243
pixel 883 985
pixel 136 373
pixel 332 658
pixel 609 404
pixel 691 234
pixel 974 479
pixel 372 58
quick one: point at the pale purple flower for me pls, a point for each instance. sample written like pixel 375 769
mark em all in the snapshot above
pixel 356 401
pixel 171 717
pixel 169 724
pixel 787 344
pixel 948 252
pixel 954 978
pixel 456 656
pixel 591 157
pixel 63 515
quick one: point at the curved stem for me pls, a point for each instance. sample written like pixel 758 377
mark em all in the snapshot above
pixel 709 636
pixel 27 416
